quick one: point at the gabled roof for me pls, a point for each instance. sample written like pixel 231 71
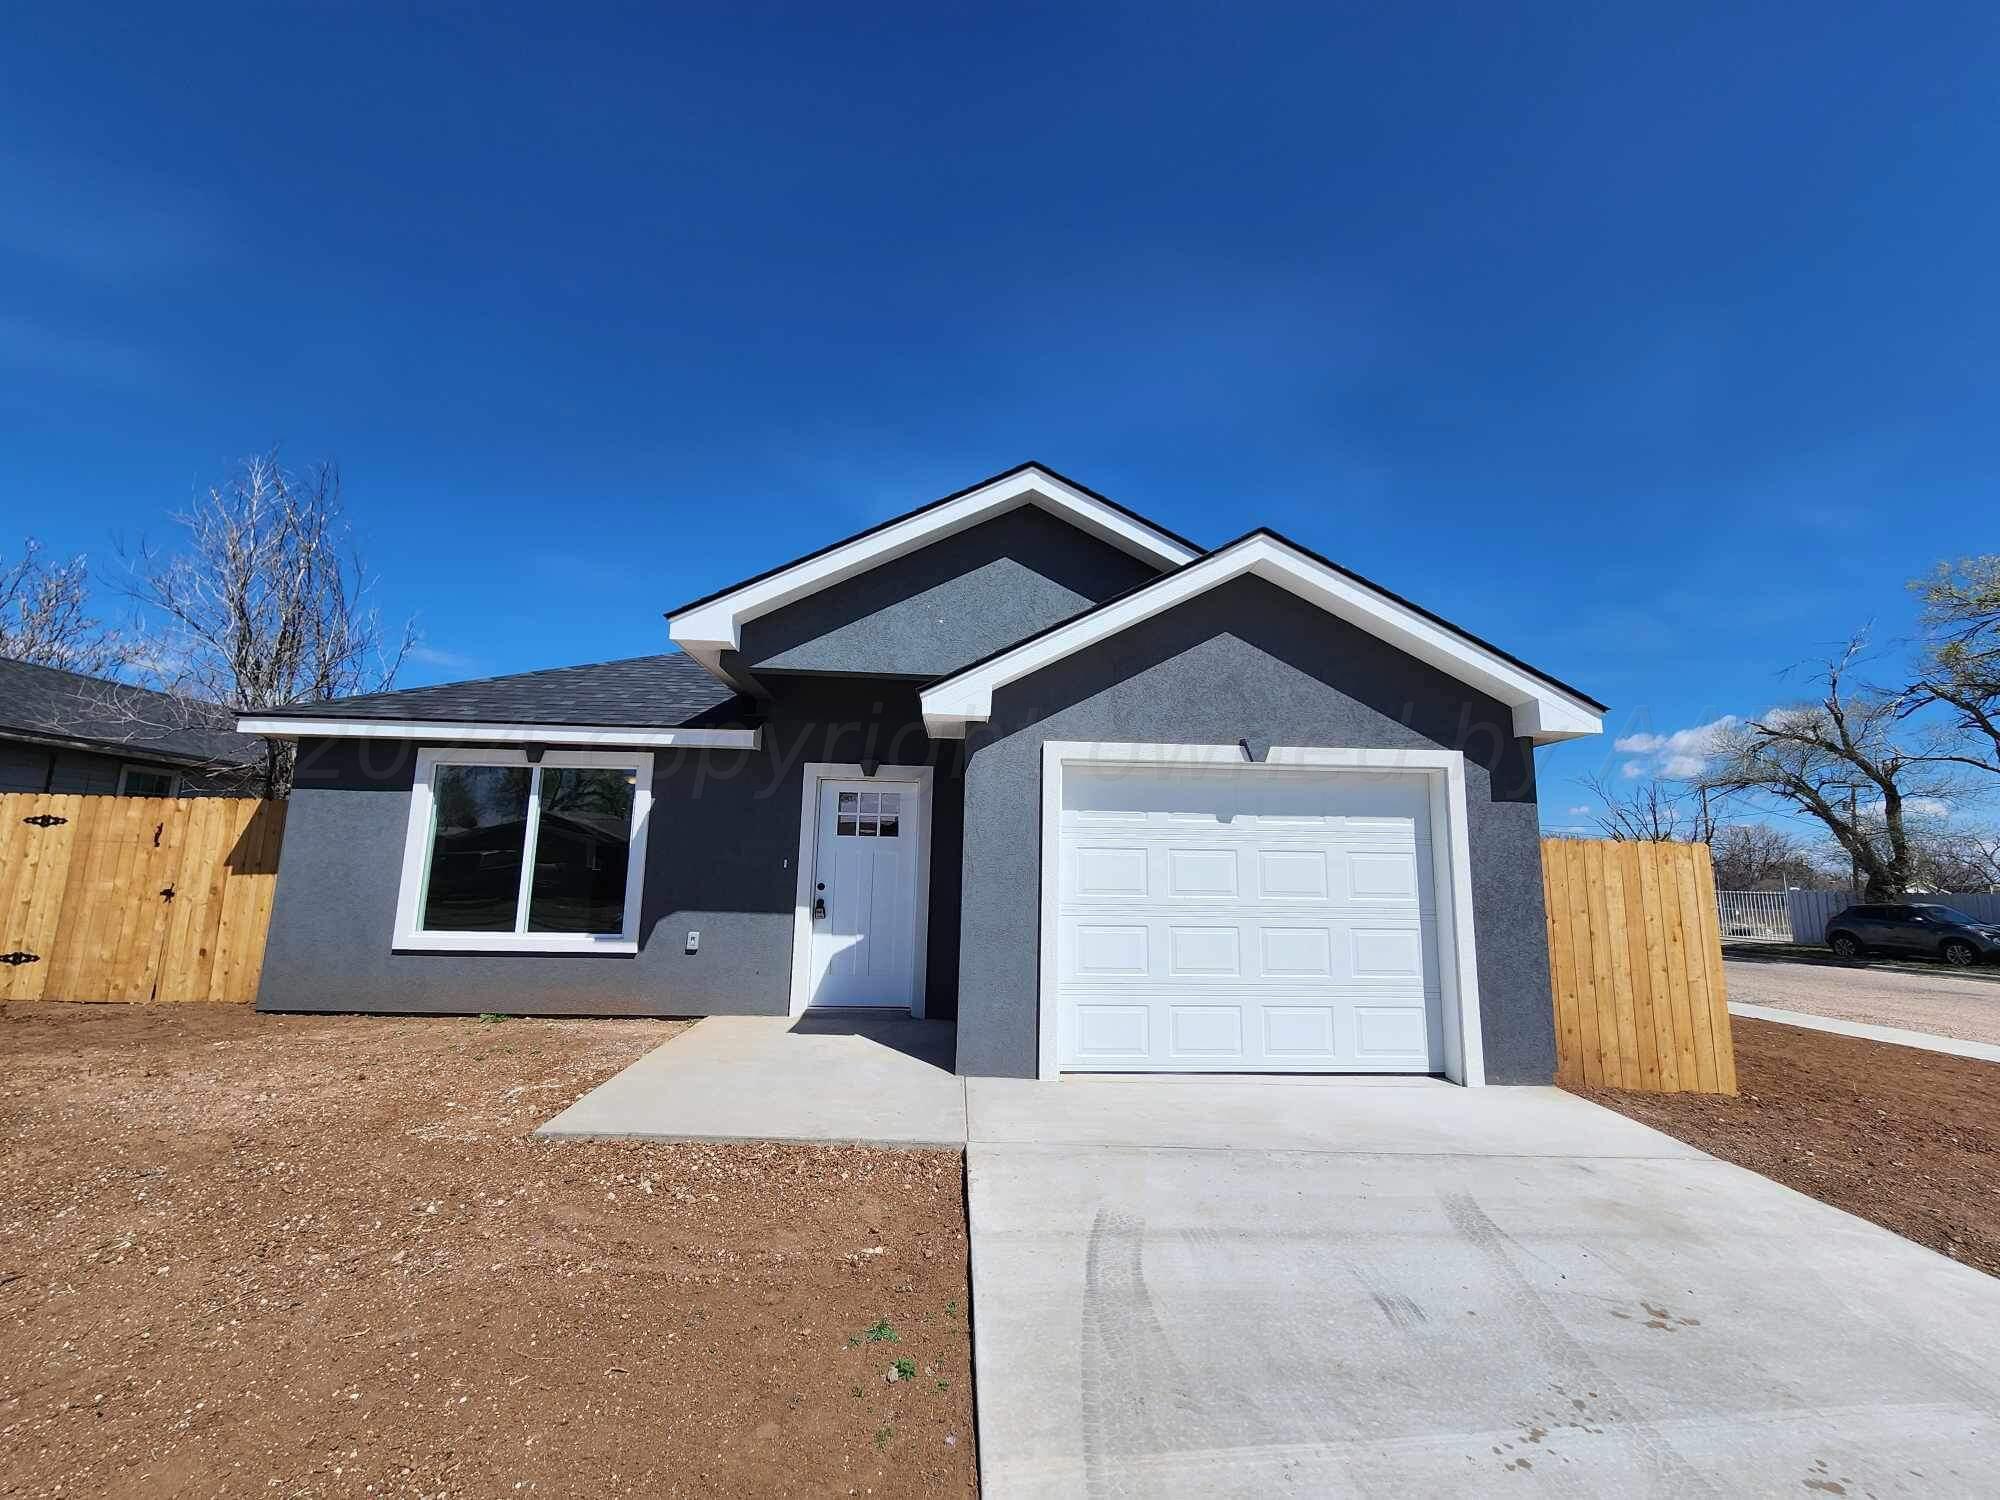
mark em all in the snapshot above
pixel 68 710
pixel 663 699
pixel 711 625
pixel 1545 709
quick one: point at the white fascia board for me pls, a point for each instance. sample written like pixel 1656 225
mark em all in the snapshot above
pixel 1542 712
pixel 499 734
pixel 707 630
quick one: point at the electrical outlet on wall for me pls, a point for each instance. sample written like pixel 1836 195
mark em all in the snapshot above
pixel 694 942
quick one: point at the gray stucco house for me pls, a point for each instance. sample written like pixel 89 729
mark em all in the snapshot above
pixel 1019 758
pixel 65 732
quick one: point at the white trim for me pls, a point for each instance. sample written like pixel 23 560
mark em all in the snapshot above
pixel 173 777
pixel 815 772
pixel 708 629
pixel 409 938
pixel 499 734
pixel 1542 711
pixel 1464 1051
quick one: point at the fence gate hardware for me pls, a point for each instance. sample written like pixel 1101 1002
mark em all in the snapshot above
pixel 44 820
pixel 18 958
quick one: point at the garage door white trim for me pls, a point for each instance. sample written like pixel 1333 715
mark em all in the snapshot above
pixel 1444 772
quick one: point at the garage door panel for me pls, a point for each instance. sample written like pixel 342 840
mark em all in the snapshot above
pixel 1112 1031
pixel 1386 1033
pixel 1374 951
pixel 1213 921
pixel 1295 952
pixel 1206 1032
pixel 1107 871
pixel 1299 1033
pixel 1202 874
pixel 1293 875
pixel 1105 950
pixel 1388 953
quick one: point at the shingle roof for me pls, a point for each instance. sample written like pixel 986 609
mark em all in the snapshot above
pixel 647 692
pixel 46 703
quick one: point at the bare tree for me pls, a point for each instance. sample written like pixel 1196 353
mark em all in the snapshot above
pixel 1959 667
pixel 264 606
pixel 45 615
pixel 1654 811
pixel 1944 854
pixel 1760 857
pixel 1824 756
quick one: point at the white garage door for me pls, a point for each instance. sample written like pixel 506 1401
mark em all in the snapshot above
pixel 1246 920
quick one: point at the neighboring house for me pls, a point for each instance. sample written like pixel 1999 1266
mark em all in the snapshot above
pixel 64 732
pixel 1020 758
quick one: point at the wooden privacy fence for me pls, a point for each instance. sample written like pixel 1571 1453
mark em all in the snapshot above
pixel 1635 960
pixel 135 898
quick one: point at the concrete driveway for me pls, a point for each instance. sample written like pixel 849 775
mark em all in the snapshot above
pixel 1291 1287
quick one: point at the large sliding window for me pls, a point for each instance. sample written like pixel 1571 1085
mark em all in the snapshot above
pixel 505 855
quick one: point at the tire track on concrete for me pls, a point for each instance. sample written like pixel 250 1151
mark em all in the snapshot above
pixel 1568 1361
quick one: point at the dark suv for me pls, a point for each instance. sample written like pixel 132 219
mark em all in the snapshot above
pixel 1940 931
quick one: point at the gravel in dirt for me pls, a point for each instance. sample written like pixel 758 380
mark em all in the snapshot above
pixel 316 1256
pixel 1915 996
pixel 1908 1139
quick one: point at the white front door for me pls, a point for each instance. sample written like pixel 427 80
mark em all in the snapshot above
pixel 1244 921
pixel 864 895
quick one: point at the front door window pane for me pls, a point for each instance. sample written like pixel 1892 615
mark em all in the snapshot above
pixel 480 829
pixel 581 849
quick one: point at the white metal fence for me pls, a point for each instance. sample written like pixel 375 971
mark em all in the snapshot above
pixel 1811 909
pixel 1755 916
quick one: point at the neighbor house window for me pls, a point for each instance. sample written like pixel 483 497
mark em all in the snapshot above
pixel 505 854
pixel 148 781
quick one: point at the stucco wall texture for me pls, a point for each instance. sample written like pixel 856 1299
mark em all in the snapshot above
pixel 947 605
pixel 1247 660
pixel 721 860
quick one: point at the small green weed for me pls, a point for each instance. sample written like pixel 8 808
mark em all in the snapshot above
pixel 882 1333
pixel 856 1391
pixel 492 1017
pixel 951 1308
pixel 906 1369
pixel 882 1436
pixel 944 1385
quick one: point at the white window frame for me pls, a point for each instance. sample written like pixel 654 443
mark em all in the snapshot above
pixel 1451 864
pixel 173 778
pixel 410 937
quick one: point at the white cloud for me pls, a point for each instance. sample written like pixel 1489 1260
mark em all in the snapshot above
pixel 1677 756
pixel 432 656
pixel 1577 812
pixel 1913 807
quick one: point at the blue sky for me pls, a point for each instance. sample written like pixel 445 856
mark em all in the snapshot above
pixel 1654 347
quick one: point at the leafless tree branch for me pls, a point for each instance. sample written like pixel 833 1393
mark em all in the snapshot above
pixel 263 607
pixel 45 615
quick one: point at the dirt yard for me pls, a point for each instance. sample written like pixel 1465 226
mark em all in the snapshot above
pixel 296 1256
pixel 1906 1138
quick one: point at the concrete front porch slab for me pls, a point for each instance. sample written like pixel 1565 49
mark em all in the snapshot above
pixel 860 1079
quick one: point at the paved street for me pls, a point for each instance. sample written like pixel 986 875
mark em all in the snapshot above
pixel 1914 997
